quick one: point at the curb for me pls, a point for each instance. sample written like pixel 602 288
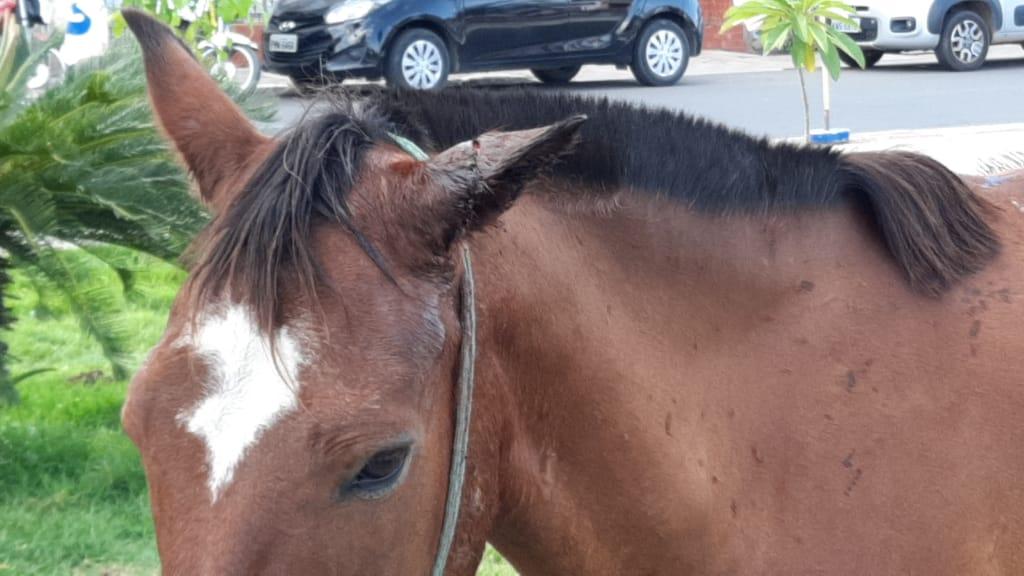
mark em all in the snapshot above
pixel 981 150
pixel 984 150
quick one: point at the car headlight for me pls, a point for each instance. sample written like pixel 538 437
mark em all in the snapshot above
pixel 351 10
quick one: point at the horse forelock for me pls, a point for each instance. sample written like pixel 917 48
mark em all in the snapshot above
pixel 266 233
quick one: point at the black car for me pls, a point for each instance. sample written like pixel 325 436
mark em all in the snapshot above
pixel 417 43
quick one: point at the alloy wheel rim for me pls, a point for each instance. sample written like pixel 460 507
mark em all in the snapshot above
pixel 422 64
pixel 664 53
pixel 967 41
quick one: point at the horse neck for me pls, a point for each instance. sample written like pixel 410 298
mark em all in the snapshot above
pixel 573 310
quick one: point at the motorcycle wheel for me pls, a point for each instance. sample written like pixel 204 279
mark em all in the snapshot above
pixel 241 69
pixel 48 73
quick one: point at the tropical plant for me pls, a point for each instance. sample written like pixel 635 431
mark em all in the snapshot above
pixel 11 78
pixel 207 13
pixel 804 27
pixel 8 51
pixel 83 168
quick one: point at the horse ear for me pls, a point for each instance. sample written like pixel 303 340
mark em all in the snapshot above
pixel 484 177
pixel 216 141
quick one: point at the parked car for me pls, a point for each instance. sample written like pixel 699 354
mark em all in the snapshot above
pixel 416 44
pixel 959 31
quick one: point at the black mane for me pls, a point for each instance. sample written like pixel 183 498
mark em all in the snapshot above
pixel 934 225
pixel 694 161
pixel 266 233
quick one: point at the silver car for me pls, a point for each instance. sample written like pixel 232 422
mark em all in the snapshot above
pixel 959 31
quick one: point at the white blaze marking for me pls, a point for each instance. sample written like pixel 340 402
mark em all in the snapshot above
pixel 245 393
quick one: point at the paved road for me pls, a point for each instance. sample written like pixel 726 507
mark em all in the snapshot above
pixel 903 92
pixel 885 98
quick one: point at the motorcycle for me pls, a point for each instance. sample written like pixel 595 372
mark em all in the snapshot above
pixel 233 57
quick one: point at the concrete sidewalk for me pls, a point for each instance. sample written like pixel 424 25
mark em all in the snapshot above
pixel 975 150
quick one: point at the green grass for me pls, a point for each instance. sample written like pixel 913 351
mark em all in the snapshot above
pixel 73 496
pixel 494 565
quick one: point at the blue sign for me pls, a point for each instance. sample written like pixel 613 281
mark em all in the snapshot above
pixel 79 23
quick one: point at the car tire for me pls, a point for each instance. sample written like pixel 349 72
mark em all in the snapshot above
pixel 871 57
pixel 661 54
pixel 965 41
pixel 418 60
pixel 562 75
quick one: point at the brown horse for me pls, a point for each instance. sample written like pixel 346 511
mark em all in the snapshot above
pixel 697 352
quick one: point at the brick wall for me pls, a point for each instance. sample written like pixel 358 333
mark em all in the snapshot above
pixel 714 11
pixel 253 31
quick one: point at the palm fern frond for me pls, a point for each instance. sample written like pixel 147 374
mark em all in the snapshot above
pixel 11 35
pixel 95 298
pixel 17 64
pixel 8 393
pixel 91 146
pixel 83 169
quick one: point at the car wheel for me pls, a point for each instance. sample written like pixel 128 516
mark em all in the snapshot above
pixel 871 57
pixel 418 60
pixel 964 43
pixel 562 75
pixel 661 54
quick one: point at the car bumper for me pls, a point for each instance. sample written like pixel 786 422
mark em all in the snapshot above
pixel 895 32
pixel 337 49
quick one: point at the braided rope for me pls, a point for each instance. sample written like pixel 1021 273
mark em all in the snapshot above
pixel 463 416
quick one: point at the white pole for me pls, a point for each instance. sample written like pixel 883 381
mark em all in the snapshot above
pixel 826 95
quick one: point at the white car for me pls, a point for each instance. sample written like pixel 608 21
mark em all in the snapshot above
pixel 959 31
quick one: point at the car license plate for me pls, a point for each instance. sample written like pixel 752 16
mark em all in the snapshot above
pixel 844 27
pixel 284 43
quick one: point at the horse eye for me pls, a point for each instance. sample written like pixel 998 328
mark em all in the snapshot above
pixel 380 473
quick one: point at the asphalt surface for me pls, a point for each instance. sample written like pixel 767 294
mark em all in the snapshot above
pixel 901 93
pixel 885 98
